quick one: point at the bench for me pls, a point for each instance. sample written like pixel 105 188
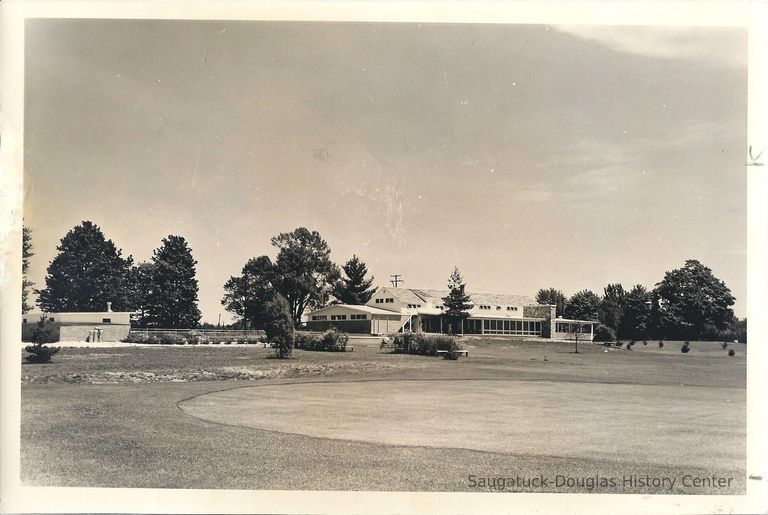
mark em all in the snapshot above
pixel 447 354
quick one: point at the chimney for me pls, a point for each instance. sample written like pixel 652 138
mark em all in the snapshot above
pixel 109 306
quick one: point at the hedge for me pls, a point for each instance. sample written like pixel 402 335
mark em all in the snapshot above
pixel 424 344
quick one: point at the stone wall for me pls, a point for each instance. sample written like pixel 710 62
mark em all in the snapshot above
pixel 545 311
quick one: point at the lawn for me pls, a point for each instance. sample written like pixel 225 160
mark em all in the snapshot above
pixel 235 417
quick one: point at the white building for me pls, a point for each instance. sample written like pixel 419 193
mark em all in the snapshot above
pixel 404 309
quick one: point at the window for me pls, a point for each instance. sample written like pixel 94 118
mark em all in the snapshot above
pixel 389 300
pixel 106 320
pixel 379 301
pixel 338 317
pixel 358 317
pixel 498 308
pixel 414 306
pixel 50 319
pixel 319 317
pixel 511 308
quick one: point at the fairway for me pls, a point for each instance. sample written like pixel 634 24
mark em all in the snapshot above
pixel 232 416
pixel 646 424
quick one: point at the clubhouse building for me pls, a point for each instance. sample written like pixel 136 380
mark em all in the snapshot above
pixel 393 310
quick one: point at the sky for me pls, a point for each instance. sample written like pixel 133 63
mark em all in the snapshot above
pixel 530 156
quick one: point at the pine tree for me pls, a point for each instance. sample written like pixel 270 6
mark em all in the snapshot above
pixel 456 304
pixel 26 253
pixel 354 289
pixel 172 301
pixel 88 272
pixel 278 326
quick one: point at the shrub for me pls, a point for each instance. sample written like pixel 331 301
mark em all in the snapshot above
pixel 424 344
pixel 686 347
pixel 661 344
pixel 603 333
pixel 731 352
pixel 330 341
pixel 279 326
pixel 38 351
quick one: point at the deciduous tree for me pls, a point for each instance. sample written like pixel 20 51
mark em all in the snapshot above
pixel 305 273
pixel 554 297
pixel 690 298
pixel 636 317
pixel 246 295
pixel 88 272
pixel 582 305
pixel 611 306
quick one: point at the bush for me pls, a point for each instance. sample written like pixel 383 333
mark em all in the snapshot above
pixel 330 341
pixel 603 333
pixel 38 351
pixel 685 348
pixel 159 338
pixel 731 352
pixel 424 344
pixel 661 344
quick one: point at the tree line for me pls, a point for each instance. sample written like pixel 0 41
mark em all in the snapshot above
pixel 89 271
pixel 689 303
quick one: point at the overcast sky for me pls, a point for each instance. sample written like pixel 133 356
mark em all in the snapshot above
pixel 528 156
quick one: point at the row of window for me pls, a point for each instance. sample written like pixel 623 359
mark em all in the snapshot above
pixel 523 327
pixel 498 308
pixel 414 306
pixel 388 300
pixel 50 319
pixel 564 327
pixel 320 318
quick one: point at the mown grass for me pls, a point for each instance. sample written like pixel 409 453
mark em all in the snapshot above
pixel 132 434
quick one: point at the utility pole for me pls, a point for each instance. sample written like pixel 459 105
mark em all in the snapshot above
pixel 396 279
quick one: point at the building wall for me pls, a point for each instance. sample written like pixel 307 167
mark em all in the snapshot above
pixel 545 311
pixel 97 317
pixel 348 326
pixel 79 332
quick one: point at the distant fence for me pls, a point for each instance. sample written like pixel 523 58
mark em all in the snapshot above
pixel 210 333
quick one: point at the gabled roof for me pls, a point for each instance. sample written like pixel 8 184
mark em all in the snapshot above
pixel 419 296
pixel 354 307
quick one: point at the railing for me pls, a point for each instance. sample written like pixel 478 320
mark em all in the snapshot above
pixel 212 333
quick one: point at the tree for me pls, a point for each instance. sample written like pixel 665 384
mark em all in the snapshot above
pixel 354 289
pixel 636 318
pixel 305 273
pixel 88 272
pixel 172 300
pixel 690 298
pixel 26 253
pixel 611 306
pixel 140 289
pixel 456 304
pixel 246 295
pixel 553 297
pixel 278 326
pixel 582 305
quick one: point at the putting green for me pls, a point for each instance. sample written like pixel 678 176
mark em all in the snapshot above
pixel 685 426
